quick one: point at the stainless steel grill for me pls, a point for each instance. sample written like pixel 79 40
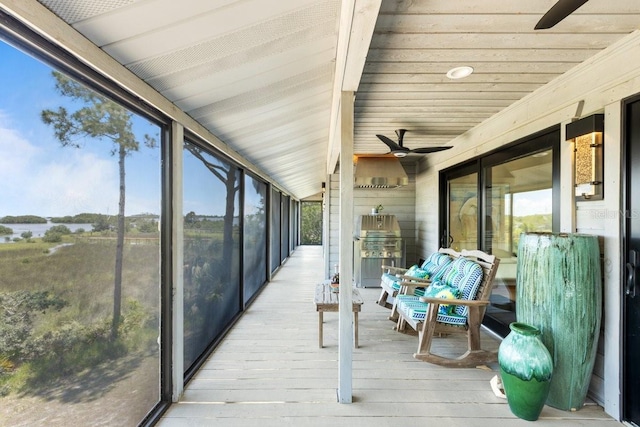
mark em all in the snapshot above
pixel 379 242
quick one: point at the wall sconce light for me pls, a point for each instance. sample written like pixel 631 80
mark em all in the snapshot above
pixel 324 187
pixel 588 138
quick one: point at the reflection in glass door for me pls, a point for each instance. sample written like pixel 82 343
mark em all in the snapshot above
pixel 488 202
pixel 461 231
pixel 519 199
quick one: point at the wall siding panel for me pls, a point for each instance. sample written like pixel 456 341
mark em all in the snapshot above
pixel 602 83
pixel 400 202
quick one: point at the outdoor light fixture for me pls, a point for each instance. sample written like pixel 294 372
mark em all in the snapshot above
pixel 588 138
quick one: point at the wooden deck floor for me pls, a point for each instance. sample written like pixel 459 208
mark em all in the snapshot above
pixel 269 371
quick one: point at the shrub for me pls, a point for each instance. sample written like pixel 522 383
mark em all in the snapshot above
pixel 101 224
pixel 52 237
pixel 62 229
pixel 147 227
pixel 29 362
pixel 18 311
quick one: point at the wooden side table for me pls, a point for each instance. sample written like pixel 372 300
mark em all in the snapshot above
pixel 325 300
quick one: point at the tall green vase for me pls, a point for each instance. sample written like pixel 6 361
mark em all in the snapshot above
pixel 559 291
pixel 526 370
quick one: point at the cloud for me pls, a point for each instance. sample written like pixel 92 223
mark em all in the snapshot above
pixel 52 182
pixel 15 153
pixel 83 183
pixel 533 203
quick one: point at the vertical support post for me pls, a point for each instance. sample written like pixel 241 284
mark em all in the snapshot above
pixel 270 233
pixel 326 227
pixel 177 238
pixel 345 338
pixel 613 261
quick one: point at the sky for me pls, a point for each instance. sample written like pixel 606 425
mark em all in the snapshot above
pixel 38 176
pixel 533 203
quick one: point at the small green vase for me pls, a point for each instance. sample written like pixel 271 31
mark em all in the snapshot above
pixel 525 368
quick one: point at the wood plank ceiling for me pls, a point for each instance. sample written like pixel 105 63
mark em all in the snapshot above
pixel 260 74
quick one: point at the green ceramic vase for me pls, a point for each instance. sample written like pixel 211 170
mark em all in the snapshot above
pixel 525 368
pixel 559 291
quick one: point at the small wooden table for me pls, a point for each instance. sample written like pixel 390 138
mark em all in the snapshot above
pixel 326 300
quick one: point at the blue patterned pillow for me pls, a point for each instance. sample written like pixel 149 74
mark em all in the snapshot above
pixel 465 275
pixel 417 272
pixel 436 265
pixel 441 290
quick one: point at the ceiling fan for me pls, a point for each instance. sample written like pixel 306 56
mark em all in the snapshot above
pixel 558 12
pixel 399 150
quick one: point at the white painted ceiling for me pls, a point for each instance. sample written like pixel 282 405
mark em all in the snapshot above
pixel 260 74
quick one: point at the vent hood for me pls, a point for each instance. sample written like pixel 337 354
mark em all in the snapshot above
pixel 379 172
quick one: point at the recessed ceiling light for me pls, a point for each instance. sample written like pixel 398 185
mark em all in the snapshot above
pixel 460 72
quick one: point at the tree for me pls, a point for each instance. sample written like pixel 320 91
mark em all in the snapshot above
pixel 101 224
pixel 98 118
pixel 227 174
pixel 311 223
pixel 190 218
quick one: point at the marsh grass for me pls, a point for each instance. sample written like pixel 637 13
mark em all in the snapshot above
pixel 67 342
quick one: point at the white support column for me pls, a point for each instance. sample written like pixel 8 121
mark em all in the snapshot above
pixel 613 265
pixel 326 225
pixel 345 339
pixel 177 371
pixel 269 232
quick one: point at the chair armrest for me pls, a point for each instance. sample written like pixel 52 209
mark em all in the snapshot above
pixel 393 270
pixel 407 287
pixel 414 281
pixel 469 303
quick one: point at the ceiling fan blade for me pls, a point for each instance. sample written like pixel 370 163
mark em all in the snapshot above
pixel 558 12
pixel 425 150
pixel 393 146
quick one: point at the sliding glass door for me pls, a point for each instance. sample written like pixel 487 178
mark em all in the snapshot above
pixel 518 199
pixel 463 212
pixel 489 202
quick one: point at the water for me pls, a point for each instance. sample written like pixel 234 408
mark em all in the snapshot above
pixel 38 230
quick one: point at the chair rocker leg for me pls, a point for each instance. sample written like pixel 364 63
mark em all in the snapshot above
pixel 400 324
pixel 426 329
pixel 470 359
pixel 382 300
pixel 394 310
pixel 474 355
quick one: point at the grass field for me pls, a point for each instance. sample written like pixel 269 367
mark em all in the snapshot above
pixel 47 350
